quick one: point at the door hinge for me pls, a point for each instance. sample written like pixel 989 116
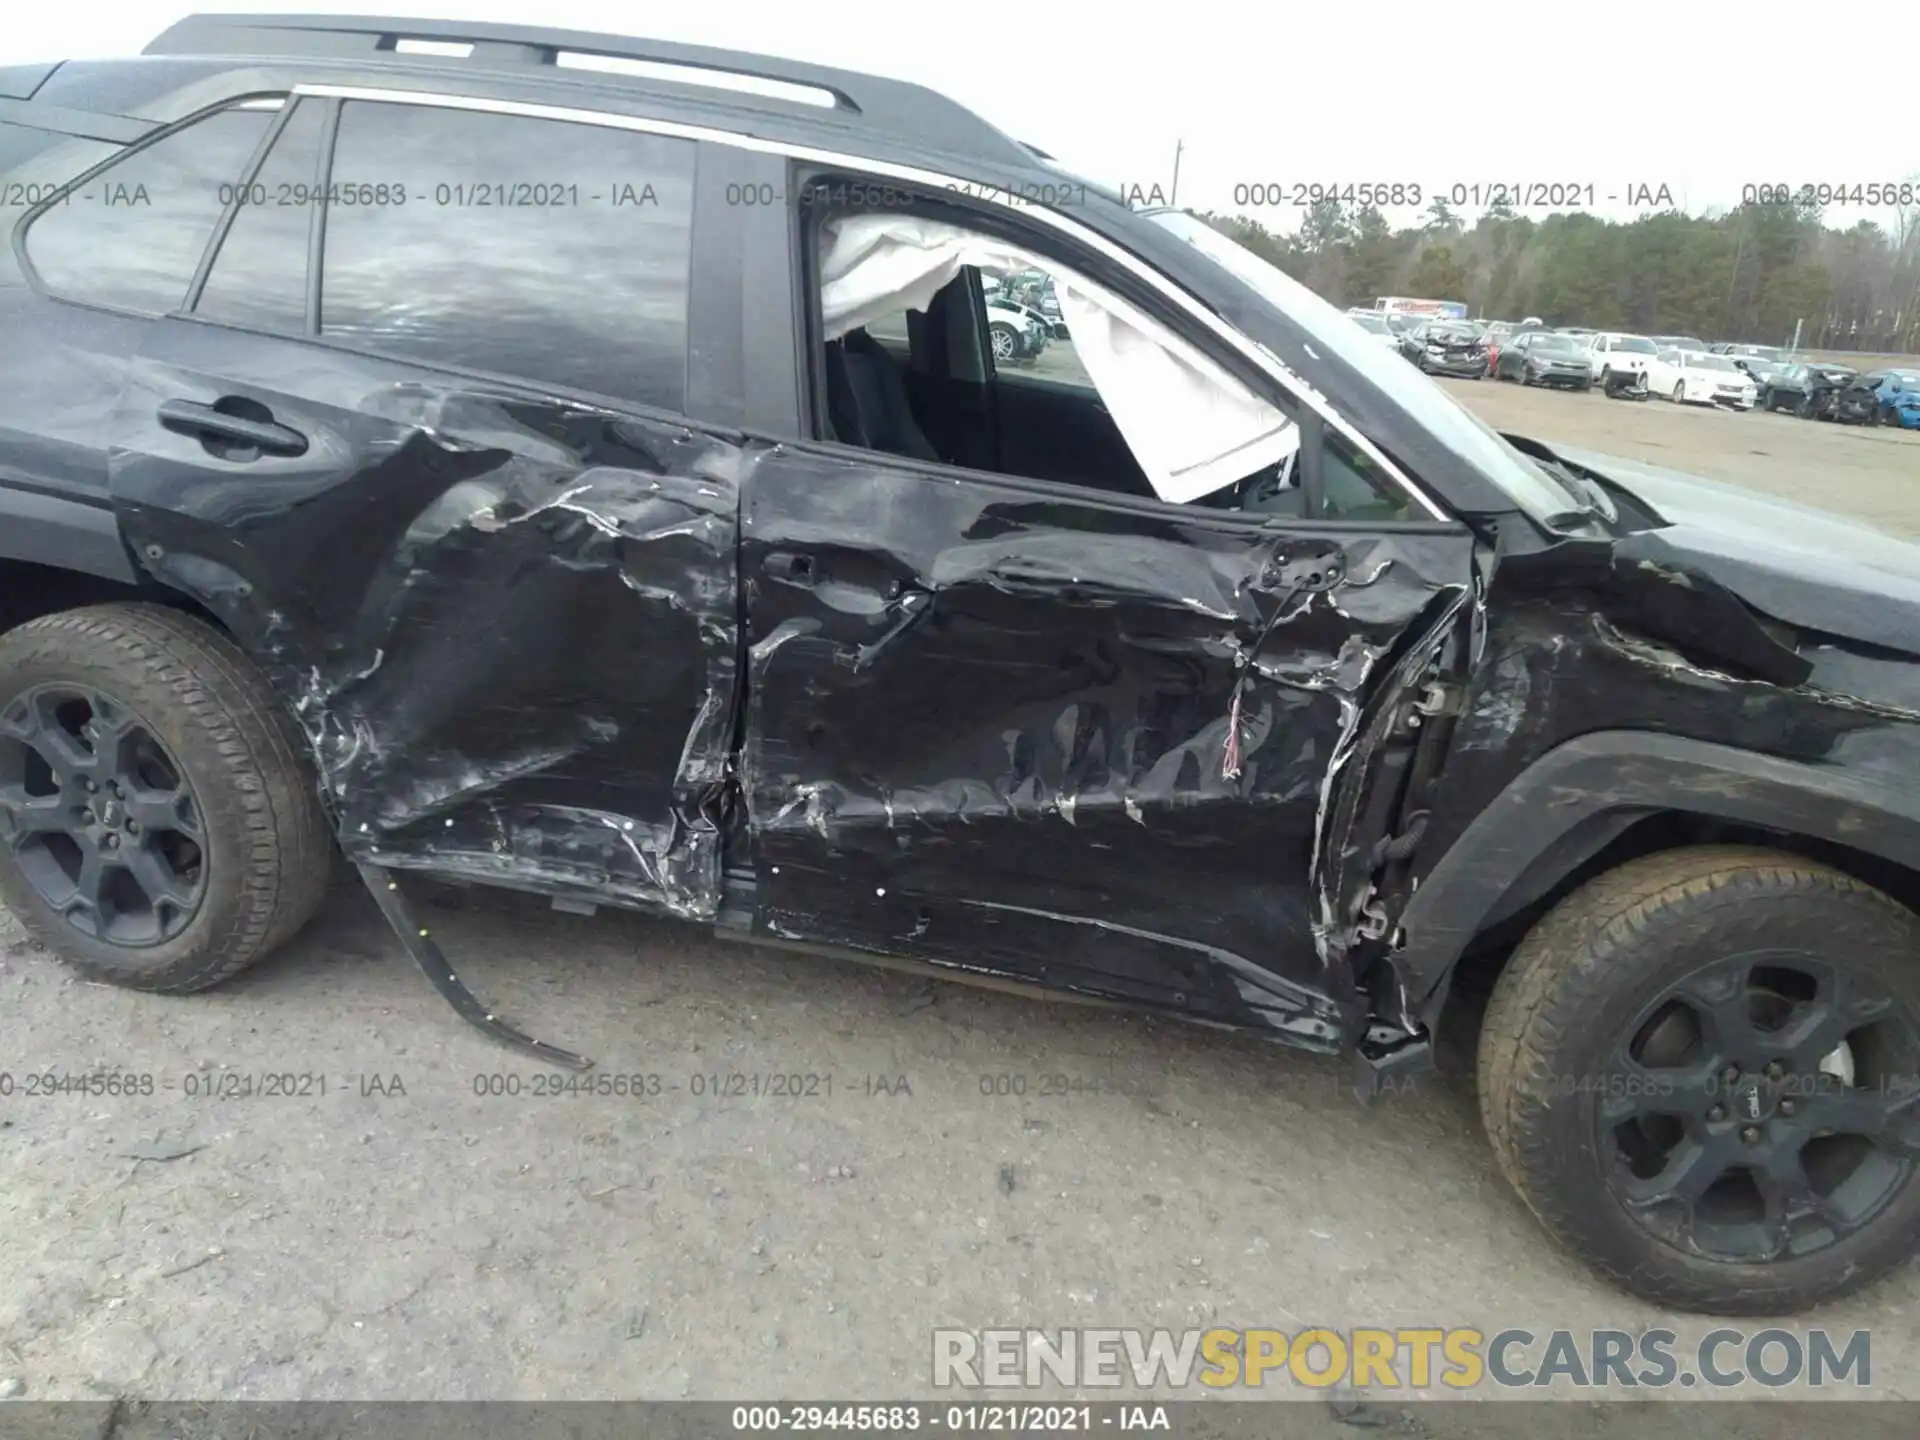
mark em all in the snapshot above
pixel 1374 922
pixel 1433 700
pixel 1306 572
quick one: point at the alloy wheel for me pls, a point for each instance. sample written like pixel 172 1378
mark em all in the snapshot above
pixel 99 817
pixel 1762 1108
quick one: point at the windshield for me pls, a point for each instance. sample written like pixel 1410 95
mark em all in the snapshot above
pixel 1373 323
pixel 1710 362
pixel 1905 377
pixel 1633 345
pixel 1530 486
pixel 1555 345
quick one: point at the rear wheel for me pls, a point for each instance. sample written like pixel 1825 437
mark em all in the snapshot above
pixel 1699 1073
pixel 1680 393
pixel 159 825
pixel 1006 343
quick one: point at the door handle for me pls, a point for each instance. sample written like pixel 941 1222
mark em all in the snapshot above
pixel 189 417
pixel 790 565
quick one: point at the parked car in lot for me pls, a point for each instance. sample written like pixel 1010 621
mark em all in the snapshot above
pixel 1756 369
pixel 1694 377
pixel 1545 357
pixel 1608 353
pixel 1808 390
pixel 1446 347
pixel 1255 683
pixel 1735 349
pixel 1678 342
pixel 1880 397
pixel 1375 325
pixel 1014 332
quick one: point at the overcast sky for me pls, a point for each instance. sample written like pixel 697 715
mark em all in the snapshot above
pixel 1617 97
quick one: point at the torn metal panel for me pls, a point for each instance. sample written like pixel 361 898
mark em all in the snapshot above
pixel 1053 738
pixel 1593 658
pixel 1806 566
pixel 508 624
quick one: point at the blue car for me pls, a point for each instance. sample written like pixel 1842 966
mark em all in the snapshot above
pixel 1899 399
pixel 1882 397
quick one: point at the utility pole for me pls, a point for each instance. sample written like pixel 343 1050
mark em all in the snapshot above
pixel 1794 349
pixel 1174 195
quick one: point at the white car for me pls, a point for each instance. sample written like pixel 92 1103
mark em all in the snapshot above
pixel 1375 324
pixel 1015 332
pixel 1694 377
pixel 1620 354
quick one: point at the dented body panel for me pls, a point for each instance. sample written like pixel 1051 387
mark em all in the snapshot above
pixel 1276 775
pixel 1017 729
pixel 507 624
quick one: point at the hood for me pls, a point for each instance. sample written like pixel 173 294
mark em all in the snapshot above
pixel 1558 357
pixel 1808 567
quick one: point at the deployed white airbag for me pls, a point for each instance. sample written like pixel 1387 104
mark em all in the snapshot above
pixel 1193 428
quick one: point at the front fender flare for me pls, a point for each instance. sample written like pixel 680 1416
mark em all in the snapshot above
pixel 1577 797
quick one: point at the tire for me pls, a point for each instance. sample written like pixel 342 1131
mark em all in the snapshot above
pixel 1680 392
pixel 263 857
pixel 1805 408
pixel 1606 374
pixel 1004 340
pixel 1587 974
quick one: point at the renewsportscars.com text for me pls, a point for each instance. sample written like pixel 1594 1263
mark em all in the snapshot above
pixel 1457 1358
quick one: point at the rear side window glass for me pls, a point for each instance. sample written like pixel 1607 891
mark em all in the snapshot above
pixel 543 249
pixel 131 236
pixel 259 278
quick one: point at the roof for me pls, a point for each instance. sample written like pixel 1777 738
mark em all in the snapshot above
pixel 894 110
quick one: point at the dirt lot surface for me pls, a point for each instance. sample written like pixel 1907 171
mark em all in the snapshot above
pixel 1871 474
pixel 402 1235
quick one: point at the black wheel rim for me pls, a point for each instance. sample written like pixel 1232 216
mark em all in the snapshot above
pixel 1762 1108
pixel 98 816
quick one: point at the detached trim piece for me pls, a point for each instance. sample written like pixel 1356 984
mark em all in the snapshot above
pixel 1626 775
pixel 64 534
pixel 427 955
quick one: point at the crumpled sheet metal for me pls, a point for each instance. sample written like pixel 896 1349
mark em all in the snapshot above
pixel 1027 767
pixel 510 636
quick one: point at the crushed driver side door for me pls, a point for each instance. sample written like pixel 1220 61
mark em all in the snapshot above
pixel 1064 736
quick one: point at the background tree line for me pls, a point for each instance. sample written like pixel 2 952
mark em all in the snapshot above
pixel 1747 274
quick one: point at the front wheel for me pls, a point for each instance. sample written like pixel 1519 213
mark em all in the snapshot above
pixel 159 824
pixel 1699 1072
pixel 1680 393
pixel 1005 342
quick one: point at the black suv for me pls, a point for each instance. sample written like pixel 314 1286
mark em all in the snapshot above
pixel 480 461
pixel 1809 390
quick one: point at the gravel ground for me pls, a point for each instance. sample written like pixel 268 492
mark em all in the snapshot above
pixel 402 1236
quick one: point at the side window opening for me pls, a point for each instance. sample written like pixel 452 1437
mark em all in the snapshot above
pixel 1077 384
pixel 131 236
pixel 524 246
